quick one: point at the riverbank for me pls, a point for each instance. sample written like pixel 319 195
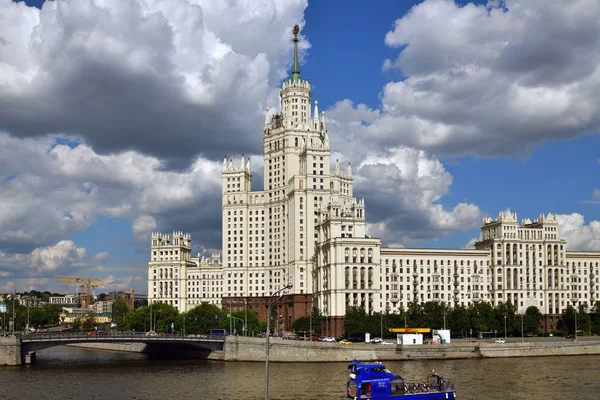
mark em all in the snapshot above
pixel 253 350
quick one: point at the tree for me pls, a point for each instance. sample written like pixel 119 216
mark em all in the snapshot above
pixel 531 319
pixel 77 324
pixel 120 309
pixel 505 317
pixel 433 314
pixel 482 317
pixel 89 322
pixel 355 321
pixel 459 320
pixel 595 318
pixel 416 315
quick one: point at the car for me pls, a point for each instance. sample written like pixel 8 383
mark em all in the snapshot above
pixel 345 341
pixel 387 343
pixel 329 339
pixel 500 340
pixel 376 340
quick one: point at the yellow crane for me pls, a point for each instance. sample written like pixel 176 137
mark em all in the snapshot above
pixel 91 283
pixel 77 282
pixel 83 284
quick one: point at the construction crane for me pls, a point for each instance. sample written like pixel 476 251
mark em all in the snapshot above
pixel 82 284
pixel 91 283
pixel 132 298
pixel 75 281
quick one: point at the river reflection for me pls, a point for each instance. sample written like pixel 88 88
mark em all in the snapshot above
pixel 69 373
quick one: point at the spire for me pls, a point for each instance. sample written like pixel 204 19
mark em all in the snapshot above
pixel 316 114
pixel 266 115
pixel 296 71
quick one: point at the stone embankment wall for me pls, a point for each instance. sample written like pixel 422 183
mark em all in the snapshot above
pixel 10 351
pixel 253 349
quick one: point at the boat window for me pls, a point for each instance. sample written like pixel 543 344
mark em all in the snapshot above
pixel 397 387
pixel 365 389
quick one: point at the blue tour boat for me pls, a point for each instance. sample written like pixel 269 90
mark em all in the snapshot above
pixel 375 381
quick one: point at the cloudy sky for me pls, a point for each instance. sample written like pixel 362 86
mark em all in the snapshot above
pixel 115 116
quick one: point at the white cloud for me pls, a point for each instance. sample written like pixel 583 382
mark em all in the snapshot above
pixel 578 235
pixel 43 261
pixel 471 243
pixel 101 256
pixel 595 197
pixel 491 80
pixel 143 226
pixel 66 189
pixel 170 78
pixel 403 188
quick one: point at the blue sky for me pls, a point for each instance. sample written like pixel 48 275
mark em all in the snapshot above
pixel 459 109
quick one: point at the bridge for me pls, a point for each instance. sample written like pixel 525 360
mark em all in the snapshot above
pixel 15 350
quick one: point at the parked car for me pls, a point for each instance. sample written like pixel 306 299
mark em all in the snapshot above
pixel 345 342
pixel 500 340
pixel 376 340
pixel 329 339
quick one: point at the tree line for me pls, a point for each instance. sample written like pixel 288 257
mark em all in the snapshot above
pixel 470 321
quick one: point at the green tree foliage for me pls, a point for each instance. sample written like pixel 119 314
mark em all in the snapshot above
pixel 88 322
pixel 482 317
pixel 505 312
pixel 531 320
pixel 77 324
pixel 355 321
pixel 303 325
pixel 595 318
pixel 459 320
pixel 120 310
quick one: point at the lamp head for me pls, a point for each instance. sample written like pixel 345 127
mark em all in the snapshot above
pixel 289 285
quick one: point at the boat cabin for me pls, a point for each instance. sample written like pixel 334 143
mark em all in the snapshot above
pixel 375 381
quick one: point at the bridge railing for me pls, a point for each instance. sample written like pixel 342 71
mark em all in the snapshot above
pixel 114 335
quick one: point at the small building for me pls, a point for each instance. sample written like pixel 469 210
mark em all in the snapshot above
pixel 99 318
pixel 407 339
pixel 441 336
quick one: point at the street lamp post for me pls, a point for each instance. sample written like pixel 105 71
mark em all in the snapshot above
pixel 272 299
pixel 504 326
pixel 575 323
pixel 381 325
pixel 310 320
pixel 444 319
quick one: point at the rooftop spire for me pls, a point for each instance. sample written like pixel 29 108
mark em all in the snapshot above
pixel 296 71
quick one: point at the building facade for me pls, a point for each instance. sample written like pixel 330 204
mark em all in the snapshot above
pixel 306 228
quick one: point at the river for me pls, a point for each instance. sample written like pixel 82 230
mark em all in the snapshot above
pixel 69 373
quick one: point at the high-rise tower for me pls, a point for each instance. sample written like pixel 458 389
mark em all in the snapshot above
pixel 269 236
